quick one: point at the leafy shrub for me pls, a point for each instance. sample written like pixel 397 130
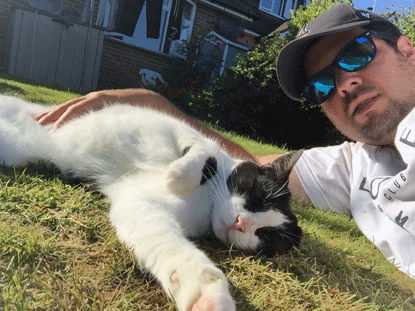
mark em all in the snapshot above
pixel 192 73
pixel 404 18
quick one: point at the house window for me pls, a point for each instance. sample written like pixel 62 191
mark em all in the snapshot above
pixel 280 8
pixel 187 20
pixel 139 37
pixel 52 6
pixel 218 49
pixel 168 32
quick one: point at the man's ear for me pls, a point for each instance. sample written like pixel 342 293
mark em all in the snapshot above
pixel 406 47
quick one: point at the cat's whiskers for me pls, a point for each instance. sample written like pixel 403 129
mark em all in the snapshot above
pixel 279 192
pixel 216 184
pixel 222 187
pixel 293 238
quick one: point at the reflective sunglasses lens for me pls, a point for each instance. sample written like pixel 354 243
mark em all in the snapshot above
pixel 354 56
pixel 357 55
pixel 319 89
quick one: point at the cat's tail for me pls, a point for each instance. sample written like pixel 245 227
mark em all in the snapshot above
pixel 22 139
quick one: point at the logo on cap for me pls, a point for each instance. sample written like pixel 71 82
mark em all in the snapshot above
pixel 364 14
pixel 303 31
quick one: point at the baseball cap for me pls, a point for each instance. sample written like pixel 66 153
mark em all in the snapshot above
pixel 290 68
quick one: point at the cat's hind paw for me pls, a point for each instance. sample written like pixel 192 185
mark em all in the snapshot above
pixel 206 290
pixel 221 301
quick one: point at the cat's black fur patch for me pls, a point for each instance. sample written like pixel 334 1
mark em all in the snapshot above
pixel 256 183
pixel 209 170
pixel 278 240
pixel 185 150
pixel 266 188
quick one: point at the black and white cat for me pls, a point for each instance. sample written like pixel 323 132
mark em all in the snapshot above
pixel 166 182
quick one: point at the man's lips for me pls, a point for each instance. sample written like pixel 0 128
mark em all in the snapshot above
pixel 361 105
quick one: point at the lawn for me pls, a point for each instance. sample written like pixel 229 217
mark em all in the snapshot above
pixel 59 252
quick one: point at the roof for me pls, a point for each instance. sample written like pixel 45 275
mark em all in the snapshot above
pixel 248 7
pixel 264 23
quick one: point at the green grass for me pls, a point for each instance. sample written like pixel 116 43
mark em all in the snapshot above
pixel 33 91
pixel 253 146
pixel 59 252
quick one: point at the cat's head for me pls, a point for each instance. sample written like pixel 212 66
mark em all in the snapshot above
pixel 255 214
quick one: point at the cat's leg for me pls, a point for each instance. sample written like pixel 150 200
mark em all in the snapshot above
pixel 197 164
pixel 158 242
pixel 22 139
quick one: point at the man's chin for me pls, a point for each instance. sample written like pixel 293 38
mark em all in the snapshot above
pixel 380 129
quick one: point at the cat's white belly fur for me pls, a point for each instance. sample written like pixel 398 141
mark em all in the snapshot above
pixel 188 210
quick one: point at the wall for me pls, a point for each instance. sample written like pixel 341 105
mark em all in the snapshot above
pixel 6 7
pixel 121 63
pixel 5 10
pixel 205 20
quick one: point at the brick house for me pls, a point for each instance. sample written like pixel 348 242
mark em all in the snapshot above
pixel 95 44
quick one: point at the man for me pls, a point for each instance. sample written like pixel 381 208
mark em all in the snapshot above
pixel 360 70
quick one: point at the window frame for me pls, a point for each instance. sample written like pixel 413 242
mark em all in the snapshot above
pixel 282 4
pixel 163 30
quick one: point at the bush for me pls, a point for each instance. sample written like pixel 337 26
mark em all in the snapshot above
pixel 192 74
pixel 404 18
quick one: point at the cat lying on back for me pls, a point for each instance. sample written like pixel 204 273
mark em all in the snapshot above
pixel 166 182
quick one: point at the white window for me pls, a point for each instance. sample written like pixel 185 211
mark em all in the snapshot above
pixel 139 37
pixel 280 8
pixel 220 48
pixel 188 17
pixel 52 6
pixel 163 44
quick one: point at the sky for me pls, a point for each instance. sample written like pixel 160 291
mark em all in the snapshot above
pixel 380 6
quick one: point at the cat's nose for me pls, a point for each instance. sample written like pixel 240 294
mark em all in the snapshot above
pixel 242 224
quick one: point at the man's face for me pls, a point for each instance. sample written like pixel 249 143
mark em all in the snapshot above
pixel 367 105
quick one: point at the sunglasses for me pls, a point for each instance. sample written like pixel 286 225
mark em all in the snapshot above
pixel 355 56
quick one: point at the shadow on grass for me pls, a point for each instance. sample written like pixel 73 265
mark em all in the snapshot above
pixel 52 86
pixel 41 170
pixel 338 269
pixel 8 89
pixel 328 268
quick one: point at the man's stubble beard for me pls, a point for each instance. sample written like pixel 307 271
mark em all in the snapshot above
pixel 381 127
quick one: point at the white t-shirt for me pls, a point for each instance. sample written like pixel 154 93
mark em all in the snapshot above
pixel 374 185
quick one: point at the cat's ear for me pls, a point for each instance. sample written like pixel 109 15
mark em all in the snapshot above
pixel 283 165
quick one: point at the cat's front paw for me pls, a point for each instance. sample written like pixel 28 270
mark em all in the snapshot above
pixel 195 168
pixel 181 176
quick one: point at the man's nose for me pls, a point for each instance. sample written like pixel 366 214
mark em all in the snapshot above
pixel 347 82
